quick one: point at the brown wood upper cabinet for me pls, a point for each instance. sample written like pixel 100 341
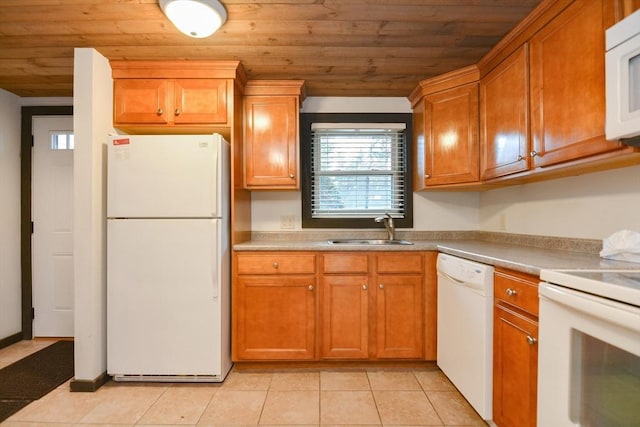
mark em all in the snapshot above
pixel 174 96
pixel 445 126
pixel 504 117
pixel 567 84
pixel 271 134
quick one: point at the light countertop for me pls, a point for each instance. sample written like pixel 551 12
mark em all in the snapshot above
pixel 528 254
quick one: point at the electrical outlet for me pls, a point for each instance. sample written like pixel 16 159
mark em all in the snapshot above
pixel 503 222
pixel 287 222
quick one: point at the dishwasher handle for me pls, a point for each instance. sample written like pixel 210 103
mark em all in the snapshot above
pixel 451 278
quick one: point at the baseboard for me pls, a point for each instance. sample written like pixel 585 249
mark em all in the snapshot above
pixel 89 386
pixel 11 339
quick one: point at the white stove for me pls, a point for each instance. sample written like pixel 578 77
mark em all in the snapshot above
pixel 589 348
pixel 617 285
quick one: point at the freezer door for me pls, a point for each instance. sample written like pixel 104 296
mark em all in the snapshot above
pixel 168 176
pixel 164 288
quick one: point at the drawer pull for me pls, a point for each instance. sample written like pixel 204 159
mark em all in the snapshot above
pixel 365 287
pixel 511 292
pixel 310 287
pixel 381 286
pixel 275 264
pixel 531 340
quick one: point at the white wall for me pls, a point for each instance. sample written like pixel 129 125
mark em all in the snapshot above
pixel 431 211
pixel 591 206
pixel 92 122
pixel 10 272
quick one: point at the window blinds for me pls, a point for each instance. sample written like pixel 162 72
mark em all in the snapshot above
pixel 357 170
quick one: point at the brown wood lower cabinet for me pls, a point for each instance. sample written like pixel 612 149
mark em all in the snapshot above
pixel 515 349
pixel 274 307
pixel 358 306
pixel 399 317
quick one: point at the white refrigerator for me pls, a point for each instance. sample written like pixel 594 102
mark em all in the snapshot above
pixel 168 258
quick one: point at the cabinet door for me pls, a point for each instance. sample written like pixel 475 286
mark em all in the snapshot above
pixel 345 314
pixel 200 101
pixel 275 317
pixel 399 316
pixel 141 101
pixel 567 84
pixel 504 113
pixel 451 136
pixel 515 369
pixel 271 142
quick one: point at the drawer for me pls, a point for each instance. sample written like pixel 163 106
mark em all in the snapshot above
pixel 276 263
pixel 399 262
pixel 345 263
pixel 519 290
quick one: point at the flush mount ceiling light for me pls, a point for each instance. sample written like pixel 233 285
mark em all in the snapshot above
pixel 195 18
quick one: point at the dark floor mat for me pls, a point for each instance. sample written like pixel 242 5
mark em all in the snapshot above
pixel 34 376
pixel 10 407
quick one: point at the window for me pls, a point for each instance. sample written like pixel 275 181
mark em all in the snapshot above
pixel 355 168
pixel 62 140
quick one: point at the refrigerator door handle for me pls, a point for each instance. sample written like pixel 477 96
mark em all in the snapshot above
pixel 214 277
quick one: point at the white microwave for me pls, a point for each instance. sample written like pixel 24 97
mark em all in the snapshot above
pixel 622 61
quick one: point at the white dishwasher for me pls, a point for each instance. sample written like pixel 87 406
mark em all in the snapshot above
pixel 465 329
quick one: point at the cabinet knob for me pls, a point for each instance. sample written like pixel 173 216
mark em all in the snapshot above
pixel 291 176
pixel 427 176
pixel 531 340
pixel 520 157
pixel 533 153
pixel 511 292
pixel 177 112
pixel 160 111
pixel 275 264
pixel 381 285
pixel 310 287
pixel 365 287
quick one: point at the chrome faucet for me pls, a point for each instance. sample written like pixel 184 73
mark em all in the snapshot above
pixel 388 224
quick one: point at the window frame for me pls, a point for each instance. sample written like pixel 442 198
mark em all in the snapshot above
pixel 306 120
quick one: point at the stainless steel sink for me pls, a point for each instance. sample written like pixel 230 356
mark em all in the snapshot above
pixel 369 242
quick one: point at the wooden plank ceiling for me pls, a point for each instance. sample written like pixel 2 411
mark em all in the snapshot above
pixel 340 47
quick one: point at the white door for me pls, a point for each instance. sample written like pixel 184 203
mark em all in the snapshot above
pixel 52 214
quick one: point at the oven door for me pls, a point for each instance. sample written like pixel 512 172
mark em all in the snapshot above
pixel 588 361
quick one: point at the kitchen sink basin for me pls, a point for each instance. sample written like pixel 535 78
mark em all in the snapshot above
pixel 369 242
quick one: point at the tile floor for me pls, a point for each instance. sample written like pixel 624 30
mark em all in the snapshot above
pixel 327 397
